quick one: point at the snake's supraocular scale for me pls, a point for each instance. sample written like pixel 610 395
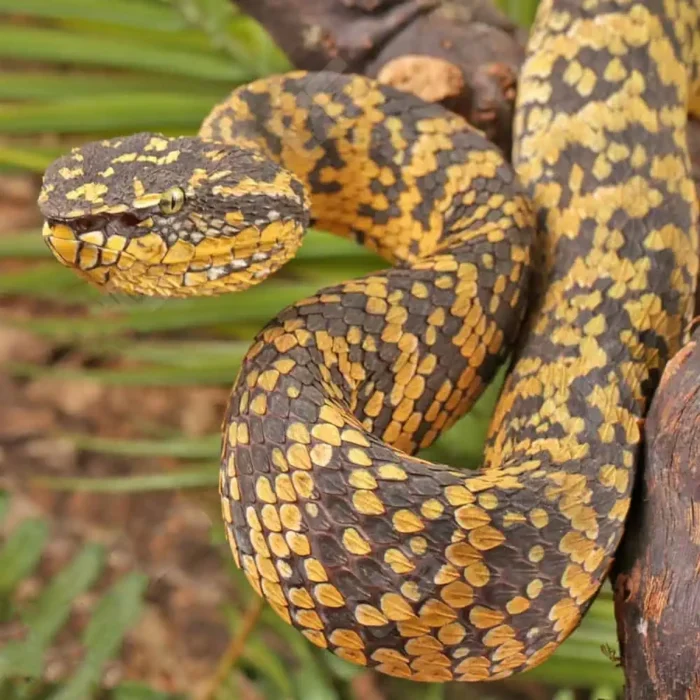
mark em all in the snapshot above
pixel 423 571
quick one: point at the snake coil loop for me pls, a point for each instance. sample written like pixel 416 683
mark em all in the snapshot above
pixel 424 571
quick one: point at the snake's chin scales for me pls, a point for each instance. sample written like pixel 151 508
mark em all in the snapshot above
pixel 425 571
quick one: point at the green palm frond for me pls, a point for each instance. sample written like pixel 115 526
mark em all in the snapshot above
pixel 36 625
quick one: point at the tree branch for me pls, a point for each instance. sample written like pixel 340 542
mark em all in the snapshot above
pixel 657 596
pixel 470 39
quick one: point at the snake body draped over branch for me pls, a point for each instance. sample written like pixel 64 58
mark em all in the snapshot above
pixel 424 571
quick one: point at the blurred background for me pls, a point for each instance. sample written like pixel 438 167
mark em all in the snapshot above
pixel 115 581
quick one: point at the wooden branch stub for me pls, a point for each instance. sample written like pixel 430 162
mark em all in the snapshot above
pixel 481 46
pixel 657 575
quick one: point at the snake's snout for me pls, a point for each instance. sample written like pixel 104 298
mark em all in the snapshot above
pixel 83 252
pixel 61 241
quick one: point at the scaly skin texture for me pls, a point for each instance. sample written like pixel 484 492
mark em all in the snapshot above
pixel 420 570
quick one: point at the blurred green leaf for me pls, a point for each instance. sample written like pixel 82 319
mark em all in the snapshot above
pixel 206 353
pixel 433 691
pixel 564 695
pixel 312 685
pixel 116 612
pixel 49 613
pixel 138 691
pixel 27 244
pixel 235 33
pixel 262 658
pixel 341 668
pixel 128 113
pixel 21 552
pixel 4 504
pixel 261 304
pixel 86 49
pixel 184 448
pixel 28 155
pixel 26 160
pixel 145 376
pixel 200 477
pixel 130 13
pixel 522 12
pixel 47 273
pixel 44 86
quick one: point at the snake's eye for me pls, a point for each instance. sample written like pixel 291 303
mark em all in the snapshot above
pixel 171 200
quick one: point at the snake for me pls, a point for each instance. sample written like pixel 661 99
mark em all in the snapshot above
pixel 577 266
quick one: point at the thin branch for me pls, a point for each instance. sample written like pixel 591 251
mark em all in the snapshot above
pixel 235 648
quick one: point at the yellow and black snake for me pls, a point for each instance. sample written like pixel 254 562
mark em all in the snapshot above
pixel 419 570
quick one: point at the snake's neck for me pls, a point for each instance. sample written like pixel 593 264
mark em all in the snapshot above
pixel 380 167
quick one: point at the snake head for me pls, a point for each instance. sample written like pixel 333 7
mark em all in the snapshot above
pixel 148 214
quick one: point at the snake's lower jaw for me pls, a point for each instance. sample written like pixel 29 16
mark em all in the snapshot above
pixel 145 266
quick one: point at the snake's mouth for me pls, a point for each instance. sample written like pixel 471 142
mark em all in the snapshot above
pixel 145 264
pixel 80 247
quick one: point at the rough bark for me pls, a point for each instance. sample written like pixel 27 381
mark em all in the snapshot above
pixel 466 55
pixel 657 589
pixel 463 53
pixel 693 134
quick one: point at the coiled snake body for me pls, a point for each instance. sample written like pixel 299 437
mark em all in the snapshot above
pixel 423 571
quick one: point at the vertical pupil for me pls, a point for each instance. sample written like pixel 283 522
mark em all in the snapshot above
pixel 172 200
